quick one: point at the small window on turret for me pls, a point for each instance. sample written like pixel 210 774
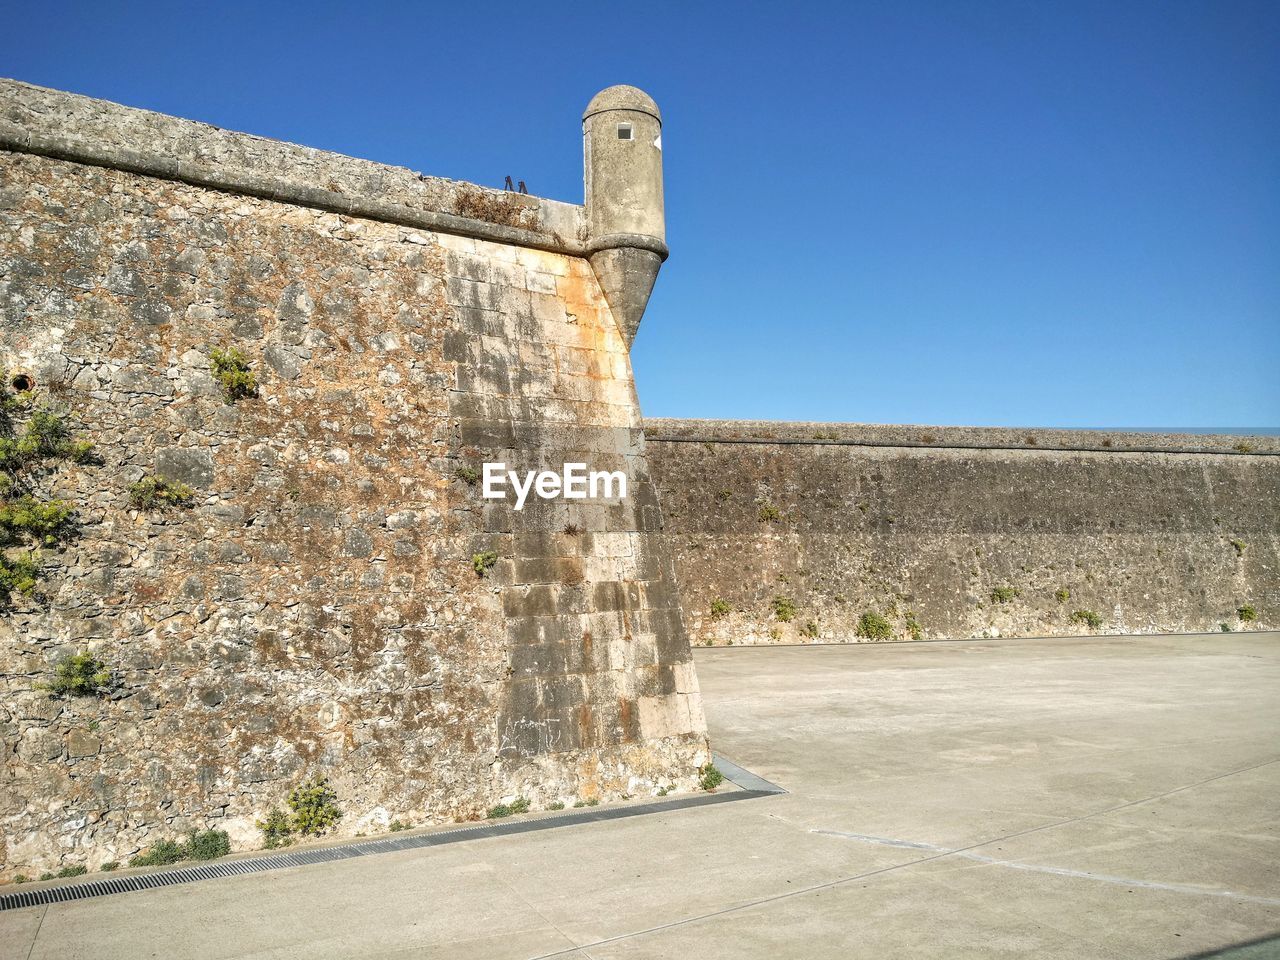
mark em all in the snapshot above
pixel 624 131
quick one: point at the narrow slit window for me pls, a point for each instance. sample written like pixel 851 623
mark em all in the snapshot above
pixel 624 131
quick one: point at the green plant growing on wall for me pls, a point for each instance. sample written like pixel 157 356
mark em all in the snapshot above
pixel 1247 613
pixel 1062 594
pixel 1243 447
pixel 719 608
pixel 872 626
pixel 1224 627
pixel 518 805
pixel 277 829
pixel 79 675
pixel 1239 546
pixel 18 574
pixel 481 562
pixel 724 495
pixel 1004 594
pixel 28 523
pixel 38 522
pixel 315 807
pixel 769 513
pixel 810 630
pixel 47 436
pixel 784 609
pixel 198 845
pixel 207 845
pixel 1087 617
pixel 109 866
pixel 913 626
pixel 157 493
pixel 231 370
pixel 468 475
pixel 710 777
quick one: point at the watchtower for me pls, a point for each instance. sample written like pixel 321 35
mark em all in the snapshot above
pixel 622 161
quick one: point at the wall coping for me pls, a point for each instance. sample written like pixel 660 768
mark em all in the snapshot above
pixel 667 429
pixel 67 126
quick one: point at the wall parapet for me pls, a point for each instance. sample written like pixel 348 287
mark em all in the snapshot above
pixel 667 429
pixel 67 126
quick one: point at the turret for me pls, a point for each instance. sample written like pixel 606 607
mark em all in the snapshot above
pixel 626 240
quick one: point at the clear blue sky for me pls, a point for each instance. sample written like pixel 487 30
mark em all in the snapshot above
pixel 1056 214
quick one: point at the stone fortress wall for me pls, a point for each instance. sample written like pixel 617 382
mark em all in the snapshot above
pixel 957 532
pixel 319 610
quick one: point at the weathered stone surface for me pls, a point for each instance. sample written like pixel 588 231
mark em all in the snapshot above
pixel 81 743
pixel 189 465
pixel 1152 532
pixel 317 612
pixel 36 118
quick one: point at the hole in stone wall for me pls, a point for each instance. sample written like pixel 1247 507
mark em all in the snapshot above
pixel 22 382
pixel 624 131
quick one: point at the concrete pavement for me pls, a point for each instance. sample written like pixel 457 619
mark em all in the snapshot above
pixel 1092 797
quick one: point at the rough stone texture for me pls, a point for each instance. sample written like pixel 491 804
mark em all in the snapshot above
pixel 50 122
pixel 934 519
pixel 317 611
pixel 626 276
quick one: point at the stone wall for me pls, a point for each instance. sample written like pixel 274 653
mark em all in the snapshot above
pixel 317 611
pixel 974 531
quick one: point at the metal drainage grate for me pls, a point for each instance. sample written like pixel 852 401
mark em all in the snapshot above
pixel 752 787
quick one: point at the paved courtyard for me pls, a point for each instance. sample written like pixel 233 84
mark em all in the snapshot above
pixel 1097 797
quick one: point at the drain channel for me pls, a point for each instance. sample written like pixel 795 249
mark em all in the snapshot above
pixel 752 786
